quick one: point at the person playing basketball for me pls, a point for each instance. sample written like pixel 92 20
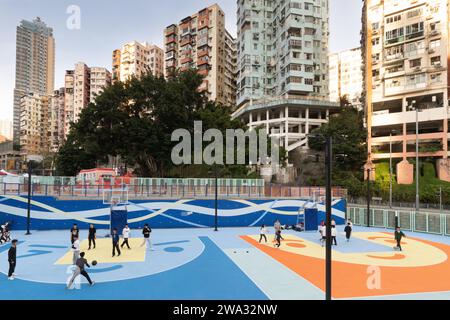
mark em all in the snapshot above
pixel 126 236
pixel 398 235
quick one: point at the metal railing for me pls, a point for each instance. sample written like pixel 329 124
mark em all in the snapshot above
pixel 148 191
pixel 160 188
pixel 426 222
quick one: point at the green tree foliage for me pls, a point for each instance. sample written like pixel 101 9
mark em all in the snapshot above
pixel 349 146
pixel 135 120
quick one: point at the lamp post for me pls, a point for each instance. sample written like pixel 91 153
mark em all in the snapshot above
pixel 390 167
pixel 369 196
pixel 328 255
pixel 32 160
pixel 417 155
pixel 216 196
pixel 29 171
pixel 417 162
pixel 390 170
pixel 328 203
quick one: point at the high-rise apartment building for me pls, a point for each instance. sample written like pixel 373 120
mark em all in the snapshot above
pixel 135 59
pixel 35 65
pixel 116 65
pixel 201 42
pixel 82 85
pixel 282 82
pixel 77 95
pixel 230 69
pixel 345 76
pixel 283 49
pixel 33 124
pixel 55 125
pixel 406 51
pixel 99 80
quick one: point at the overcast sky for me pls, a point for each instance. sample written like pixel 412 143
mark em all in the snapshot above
pixel 107 24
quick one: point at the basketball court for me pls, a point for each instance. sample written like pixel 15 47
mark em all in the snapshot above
pixel 200 264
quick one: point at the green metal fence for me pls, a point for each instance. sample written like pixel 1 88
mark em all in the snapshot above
pixel 426 222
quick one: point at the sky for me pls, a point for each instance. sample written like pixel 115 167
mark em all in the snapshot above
pixel 105 25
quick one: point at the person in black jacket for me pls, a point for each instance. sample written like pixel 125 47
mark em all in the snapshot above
pixel 115 242
pixel 74 232
pixel 398 235
pixel 91 236
pixel 12 254
pixel 348 231
pixel 278 238
pixel 146 232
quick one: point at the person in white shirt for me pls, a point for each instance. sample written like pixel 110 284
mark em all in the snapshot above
pixel 262 233
pixel 323 232
pixel 333 235
pixel 75 249
pixel 126 235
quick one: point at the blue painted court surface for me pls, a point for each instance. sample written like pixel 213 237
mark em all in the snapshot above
pixel 186 264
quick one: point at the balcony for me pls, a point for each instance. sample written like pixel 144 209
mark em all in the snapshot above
pixel 171 39
pixel 186 60
pixel 201 62
pixel 171 30
pixel 392 58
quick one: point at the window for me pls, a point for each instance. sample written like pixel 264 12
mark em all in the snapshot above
pixel 436 61
pixel 395 18
pixel 436 77
pixel 416 79
pixel 435 44
pixel 414 30
pixel 414 13
pixel 394 35
pixel 415 63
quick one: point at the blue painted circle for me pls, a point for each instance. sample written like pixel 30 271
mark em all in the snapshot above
pixel 173 249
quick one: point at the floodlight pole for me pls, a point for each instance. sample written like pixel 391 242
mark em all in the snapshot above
pixel 29 198
pixel 328 256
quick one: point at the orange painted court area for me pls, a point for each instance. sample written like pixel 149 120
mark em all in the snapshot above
pixel 422 267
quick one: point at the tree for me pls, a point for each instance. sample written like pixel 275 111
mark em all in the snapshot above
pixel 135 120
pixel 349 137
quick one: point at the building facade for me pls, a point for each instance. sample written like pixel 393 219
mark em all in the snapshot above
pixel 406 53
pixel 201 42
pixel 100 78
pixel 282 77
pixel 33 124
pixel 55 125
pixel 116 58
pixel 77 95
pixel 346 75
pixel 135 59
pixel 35 65
pixel 10 159
pixel 282 49
pixel 82 85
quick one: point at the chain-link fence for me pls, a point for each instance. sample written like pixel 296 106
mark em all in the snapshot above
pixel 426 222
